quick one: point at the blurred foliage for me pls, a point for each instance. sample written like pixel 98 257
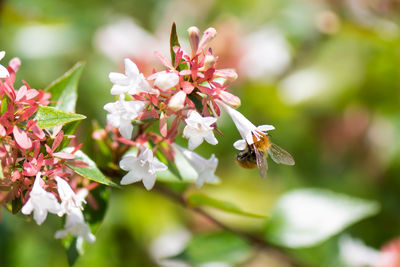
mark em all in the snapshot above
pixel 335 107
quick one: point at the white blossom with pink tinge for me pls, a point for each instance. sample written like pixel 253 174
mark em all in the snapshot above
pixel 132 82
pixel 76 226
pixel 247 130
pixel 121 114
pixel 71 205
pixel 143 167
pixel 199 128
pixel 205 168
pixel 40 202
pixel 166 80
pixel 69 200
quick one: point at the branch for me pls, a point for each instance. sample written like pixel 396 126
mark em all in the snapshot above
pixel 254 240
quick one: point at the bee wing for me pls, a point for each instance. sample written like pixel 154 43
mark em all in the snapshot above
pixel 261 163
pixel 279 155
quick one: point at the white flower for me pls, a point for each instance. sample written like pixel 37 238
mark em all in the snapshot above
pixel 40 202
pixel 3 70
pixel 72 206
pixel 132 82
pixel 69 200
pixel 246 129
pixel 199 128
pixel 122 113
pixel 177 101
pixel 205 168
pixel 166 80
pixel 76 226
pixel 143 167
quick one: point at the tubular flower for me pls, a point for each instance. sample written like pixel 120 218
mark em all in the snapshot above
pixel 142 167
pixel 40 202
pixel 205 168
pixel 76 226
pixel 199 128
pixel 69 200
pixel 121 114
pixel 131 82
pixel 247 130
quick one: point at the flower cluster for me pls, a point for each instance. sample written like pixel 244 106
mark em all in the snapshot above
pixel 189 90
pixel 29 153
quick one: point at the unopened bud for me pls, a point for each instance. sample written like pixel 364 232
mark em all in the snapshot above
pixel 177 101
pixel 208 35
pixel 166 80
pixel 230 99
pixel 229 74
pixel 194 37
pixel 15 63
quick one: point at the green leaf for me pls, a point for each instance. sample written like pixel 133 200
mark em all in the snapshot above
pixel 16 205
pixel 198 199
pixel 171 165
pixel 69 129
pixel 64 89
pixel 3 106
pixel 215 247
pixel 196 99
pixel 173 40
pixel 91 172
pixel 72 252
pixel 48 117
pixel 307 217
pixel 95 215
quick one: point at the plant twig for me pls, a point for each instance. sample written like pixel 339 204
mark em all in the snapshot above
pixel 254 240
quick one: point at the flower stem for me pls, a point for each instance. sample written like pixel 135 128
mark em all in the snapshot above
pixel 252 239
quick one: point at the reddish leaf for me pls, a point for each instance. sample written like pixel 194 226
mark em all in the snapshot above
pixel 22 138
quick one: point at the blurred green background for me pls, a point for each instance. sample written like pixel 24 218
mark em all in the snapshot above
pixel 324 73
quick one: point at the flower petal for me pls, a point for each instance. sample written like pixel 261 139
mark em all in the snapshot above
pixel 240 144
pixel 129 178
pixel 126 129
pixel 3 72
pixel 149 181
pixel 131 69
pixel 265 128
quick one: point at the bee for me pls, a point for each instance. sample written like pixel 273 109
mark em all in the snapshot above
pixel 255 155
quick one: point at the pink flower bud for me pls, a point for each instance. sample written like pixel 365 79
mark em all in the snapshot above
pixel 229 74
pixel 230 99
pixel 194 37
pixel 208 35
pixel 15 63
